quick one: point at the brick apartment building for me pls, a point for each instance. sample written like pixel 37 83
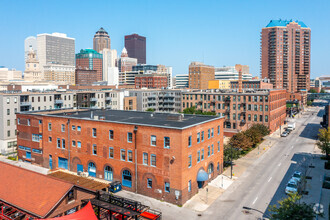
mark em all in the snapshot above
pixel 252 84
pixel 240 110
pixel 200 75
pixel 160 155
pixel 150 81
pixel 85 76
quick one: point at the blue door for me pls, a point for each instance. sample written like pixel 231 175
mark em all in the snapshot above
pixel 80 168
pixel 127 178
pixel 62 163
pixel 50 162
pixel 91 169
pixel 28 155
pixel 108 173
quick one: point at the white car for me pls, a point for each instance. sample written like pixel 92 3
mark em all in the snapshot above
pixel 297 176
pixel 292 186
pixel 284 134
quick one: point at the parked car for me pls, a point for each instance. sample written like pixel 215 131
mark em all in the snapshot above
pixel 288 130
pixel 292 186
pixel 284 134
pixel 297 176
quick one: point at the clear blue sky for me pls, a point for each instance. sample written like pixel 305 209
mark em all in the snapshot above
pixel 178 32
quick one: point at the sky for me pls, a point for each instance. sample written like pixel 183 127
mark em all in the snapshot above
pixel 178 32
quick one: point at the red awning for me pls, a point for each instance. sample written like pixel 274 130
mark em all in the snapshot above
pixel 86 213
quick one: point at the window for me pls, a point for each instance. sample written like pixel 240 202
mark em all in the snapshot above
pixel 49 139
pixel 255 107
pixel 8 133
pixel 129 137
pixel 255 117
pixel 145 158
pixel 198 156
pixel 260 108
pixel 249 117
pixel 153 160
pixel 94 149
pixel 73 143
pixel 129 156
pixel 218 146
pixel 266 118
pixel 18 121
pixel 8 122
pixel 198 137
pixel 8 111
pixel 212 132
pixel 266 108
pixel 110 134
pixel 40 122
pixel 28 122
pixel 110 152
pixel 260 117
pixel 78 128
pixel 189 141
pixel 202 136
pixel 94 132
pixel 8 100
pixel 62 127
pixel 166 142
pixel 153 140
pixel 37 151
pixel 78 144
pixel 167 187
pixel 208 133
pixel 212 149
pixel 149 183
pixel 63 143
pixel 189 161
pixel 189 186
pixel 202 156
pixel 208 151
pixel 73 127
pixel 35 137
pixel 58 143
pixel 218 129
pixel 122 154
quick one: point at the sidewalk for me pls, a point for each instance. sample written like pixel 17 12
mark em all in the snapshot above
pixel 206 196
pixel 25 165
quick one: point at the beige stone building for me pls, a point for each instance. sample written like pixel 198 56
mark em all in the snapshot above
pixel 199 75
pixel 32 68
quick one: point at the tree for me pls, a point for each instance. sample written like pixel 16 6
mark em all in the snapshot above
pixel 309 103
pixel 262 129
pixel 150 110
pixel 192 110
pixel 322 91
pixel 291 208
pixel 229 152
pixel 312 91
pixel 254 135
pixel 324 141
pixel 240 141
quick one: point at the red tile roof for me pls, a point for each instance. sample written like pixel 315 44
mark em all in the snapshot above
pixel 30 191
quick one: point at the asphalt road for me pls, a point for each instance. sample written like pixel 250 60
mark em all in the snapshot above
pixel 264 182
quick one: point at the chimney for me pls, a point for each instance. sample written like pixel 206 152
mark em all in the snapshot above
pixel 240 79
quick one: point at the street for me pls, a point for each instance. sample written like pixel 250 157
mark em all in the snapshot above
pixel 264 182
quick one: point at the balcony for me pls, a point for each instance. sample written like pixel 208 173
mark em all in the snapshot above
pixel 25 103
pixel 93 99
pixel 108 98
pixel 169 101
pixel 58 101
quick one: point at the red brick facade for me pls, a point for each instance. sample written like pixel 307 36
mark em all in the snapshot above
pixel 252 84
pixel 171 163
pixel 150 82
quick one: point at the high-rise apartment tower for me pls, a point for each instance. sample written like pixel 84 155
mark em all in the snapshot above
pixel 285 54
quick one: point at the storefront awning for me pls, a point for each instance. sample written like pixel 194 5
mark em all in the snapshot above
pixel 202 176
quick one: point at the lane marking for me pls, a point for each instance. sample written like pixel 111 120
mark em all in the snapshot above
pixel 255 200
pixel 279 164
pixel 291 146
pixel 270 179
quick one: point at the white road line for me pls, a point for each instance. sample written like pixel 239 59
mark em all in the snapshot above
pixel 291 146
pixel 279 164
pixel 270 179
pixel 255 200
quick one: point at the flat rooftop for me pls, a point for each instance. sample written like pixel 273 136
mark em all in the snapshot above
pixel 153 119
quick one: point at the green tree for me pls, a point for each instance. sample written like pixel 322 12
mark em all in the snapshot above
pixel 262 129
pixel 309 103
pixel 240 141
pixel 312 91
pixel 324 141
pixel 322 91
pixel 291 208
pixel 150 110
pixel 254 135
pixel 228 152
pixel 191 110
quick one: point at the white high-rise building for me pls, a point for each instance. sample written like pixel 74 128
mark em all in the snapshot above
pixel 113 76
pixel 109 61
pixel 30 42
pixel 182 81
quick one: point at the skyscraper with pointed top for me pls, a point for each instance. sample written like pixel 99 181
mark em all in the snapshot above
pixel 101 40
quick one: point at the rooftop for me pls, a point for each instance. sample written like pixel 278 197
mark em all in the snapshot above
pixel 155 119
pixel 284 23
pixel 35 193
pixel 82 51
pixel 231 91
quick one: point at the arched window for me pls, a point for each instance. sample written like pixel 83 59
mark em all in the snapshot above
pixel 108 173
pixel 92 169
pixel 127 179
pixel 210 168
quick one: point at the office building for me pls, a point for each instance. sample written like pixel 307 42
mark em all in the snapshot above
pixel 232 72
pixel 136 47
pixel 126 63
pixel 182 81
pixel 85 76
pixel 101 40
pixel 10 74
pixel 160 155
pixel 128 78
pixel 285 55
pixel 32 68
pixel 30 43
pixel 151 81
pixel 156 69
pixel 199 75
pixel 109 62
pixel 60 74
pixel 92 60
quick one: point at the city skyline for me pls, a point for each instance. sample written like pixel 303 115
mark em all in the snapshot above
pixel 178 34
